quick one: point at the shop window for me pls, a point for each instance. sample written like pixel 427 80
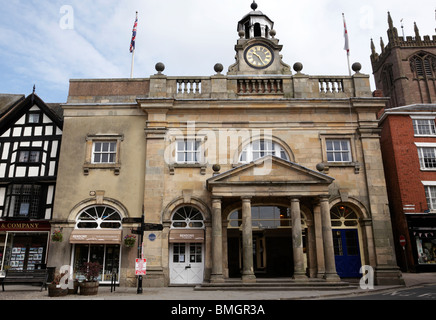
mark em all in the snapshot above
pixel 99 217
pixel 426 246
pixel 25 251
pixel 187 217
pixel 108 256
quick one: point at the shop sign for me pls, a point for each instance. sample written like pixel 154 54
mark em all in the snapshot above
pixel 140 267
pixel 186 236
pixel 24 226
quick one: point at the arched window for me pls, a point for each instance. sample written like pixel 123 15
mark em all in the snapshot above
pixel 99 217
pixel 187 217
pixel 262 148
pixel 343 216
pixel 424 65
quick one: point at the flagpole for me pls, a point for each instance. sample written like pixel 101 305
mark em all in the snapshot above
pixel 132 45
pixel 133 62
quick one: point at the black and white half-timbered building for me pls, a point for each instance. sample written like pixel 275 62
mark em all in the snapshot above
pixel 30 138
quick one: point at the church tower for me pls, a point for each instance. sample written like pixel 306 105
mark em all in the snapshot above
pixel 405 70
pixel 257 49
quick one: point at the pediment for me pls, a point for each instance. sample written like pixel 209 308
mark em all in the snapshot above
pixel 269 171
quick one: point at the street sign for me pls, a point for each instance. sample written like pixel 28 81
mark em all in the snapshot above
pixel 140 267
pixel 402 241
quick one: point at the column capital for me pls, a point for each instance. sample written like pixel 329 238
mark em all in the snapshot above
pixel 295 199
pixel 216 198
pixel 324 197
pixel 246 198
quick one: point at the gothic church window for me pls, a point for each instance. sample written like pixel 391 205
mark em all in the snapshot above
pixel 423 65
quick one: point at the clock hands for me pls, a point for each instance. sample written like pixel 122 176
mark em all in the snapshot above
pixel 260 59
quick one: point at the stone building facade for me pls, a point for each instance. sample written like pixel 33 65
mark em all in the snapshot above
pixel 260 172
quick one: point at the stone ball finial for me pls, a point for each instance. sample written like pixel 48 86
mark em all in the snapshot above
pixel 320 167
pixel 160 67
pixel 356 67
pixel 216 167
pixel 272 33
pixel 241 34
pixel 254 5
pixel 298 66
pixel 218 68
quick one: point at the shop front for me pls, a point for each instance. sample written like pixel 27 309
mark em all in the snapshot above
pixel 422 233
pixel 97 238
pixel 23 244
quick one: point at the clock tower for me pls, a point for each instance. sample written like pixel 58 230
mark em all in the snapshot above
pixel 257 49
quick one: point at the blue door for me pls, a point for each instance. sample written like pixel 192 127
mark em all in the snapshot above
pixel 347 253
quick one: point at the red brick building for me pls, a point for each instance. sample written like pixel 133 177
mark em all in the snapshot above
pixel 405 72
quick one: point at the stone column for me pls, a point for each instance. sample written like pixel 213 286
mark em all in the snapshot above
pixel 247 242
pixel 297 240
pixel 327 236
pixel 320 270
pixel 217 242
pixel 311 250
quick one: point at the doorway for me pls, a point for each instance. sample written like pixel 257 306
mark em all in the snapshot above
pixel 347 253
pixel 272 253
pixel 186 263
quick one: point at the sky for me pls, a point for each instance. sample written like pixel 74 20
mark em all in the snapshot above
pixel 47 43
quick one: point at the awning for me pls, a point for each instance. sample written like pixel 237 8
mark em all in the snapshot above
pixel 96 236
pixel 186 236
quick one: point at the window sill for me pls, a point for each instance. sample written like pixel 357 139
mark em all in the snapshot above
pixel 116 167
pixel 201 166
pixel 328 165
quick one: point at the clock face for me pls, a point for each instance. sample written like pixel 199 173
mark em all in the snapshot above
pixel 259 56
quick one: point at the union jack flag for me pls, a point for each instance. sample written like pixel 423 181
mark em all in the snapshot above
pixel 135 26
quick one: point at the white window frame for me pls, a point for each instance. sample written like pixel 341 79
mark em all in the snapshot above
pixel 431 126
pixel 191 149
pixel 273 148
pixel 421 147
pixel 110 154
pixel 90 162
pixel 428 185
pixel 340 151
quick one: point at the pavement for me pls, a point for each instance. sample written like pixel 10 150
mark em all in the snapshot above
pixel 29 292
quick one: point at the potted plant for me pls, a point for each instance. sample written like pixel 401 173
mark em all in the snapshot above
pixel 91 271
pixel 55 289
pixel 129 240
pixel 57 236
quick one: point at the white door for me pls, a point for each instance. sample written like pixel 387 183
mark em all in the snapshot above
pixel 186 263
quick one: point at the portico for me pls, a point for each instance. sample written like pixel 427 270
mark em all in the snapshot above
pixel 260 182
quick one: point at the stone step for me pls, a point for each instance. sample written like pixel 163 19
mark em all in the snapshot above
pixel 277 285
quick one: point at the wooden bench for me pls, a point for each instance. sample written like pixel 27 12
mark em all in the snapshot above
pixel 25 276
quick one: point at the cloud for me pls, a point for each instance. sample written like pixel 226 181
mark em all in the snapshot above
pixel 189 37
